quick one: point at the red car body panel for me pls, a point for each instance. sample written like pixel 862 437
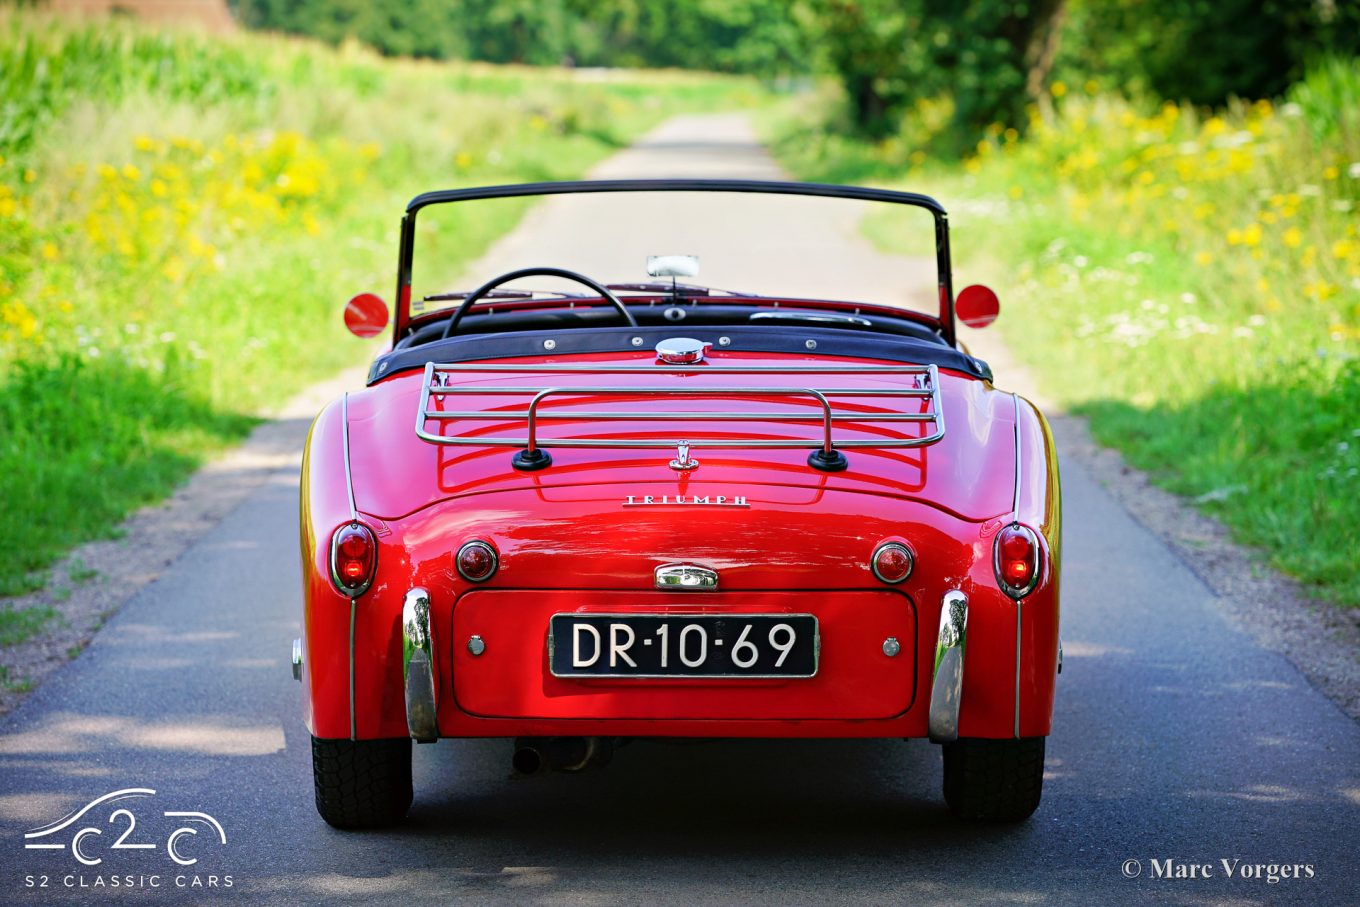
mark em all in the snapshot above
pixel 566 542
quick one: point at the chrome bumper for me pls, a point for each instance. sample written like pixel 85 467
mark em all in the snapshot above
pixel 418 667
pixel 946 690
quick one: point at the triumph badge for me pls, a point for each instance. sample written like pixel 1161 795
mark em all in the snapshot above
pixel 683 461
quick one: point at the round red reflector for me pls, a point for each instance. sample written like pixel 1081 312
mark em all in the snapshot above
pixel 366 315
pixel 892 562
pixel 477 561
pixel 354 555
pixel 1017 560
pixel 976 306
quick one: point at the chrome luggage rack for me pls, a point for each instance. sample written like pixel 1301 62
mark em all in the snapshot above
pixel 924 386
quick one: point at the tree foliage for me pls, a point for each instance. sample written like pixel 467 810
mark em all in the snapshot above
pixel 1206 51
pixel 987 61
pixel 759 36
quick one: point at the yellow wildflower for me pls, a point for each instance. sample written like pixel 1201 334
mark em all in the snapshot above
pixel 1059 88
pixel 132 172
pixel 1293 237
pixel 1342 248
pixel 1251 236
pixel 1331 173
pixel 50 251
pixel 1203 259
pixel 1016 191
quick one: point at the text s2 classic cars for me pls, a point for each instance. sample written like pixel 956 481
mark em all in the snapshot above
pixel 637 507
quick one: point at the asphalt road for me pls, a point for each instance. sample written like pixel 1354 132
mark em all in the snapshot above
pixel 1177 738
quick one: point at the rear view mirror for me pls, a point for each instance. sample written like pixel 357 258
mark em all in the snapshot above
pixel 673 265
pixel 366 315
pixel 976 306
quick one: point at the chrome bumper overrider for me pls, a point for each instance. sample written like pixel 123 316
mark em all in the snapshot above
pixel 418 666
pixel 947 688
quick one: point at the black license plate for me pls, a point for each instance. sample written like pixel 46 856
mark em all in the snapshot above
pixel 683 645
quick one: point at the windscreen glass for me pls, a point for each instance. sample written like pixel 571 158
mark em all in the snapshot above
pixel 783 246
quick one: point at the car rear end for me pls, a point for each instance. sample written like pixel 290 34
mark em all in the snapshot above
pixel 571 551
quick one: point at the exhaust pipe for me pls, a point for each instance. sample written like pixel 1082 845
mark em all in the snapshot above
pixel 534 755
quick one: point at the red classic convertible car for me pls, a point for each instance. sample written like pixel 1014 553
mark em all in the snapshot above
pixel 656 509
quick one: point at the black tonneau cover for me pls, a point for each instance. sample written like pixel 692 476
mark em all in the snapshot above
pixel 752 338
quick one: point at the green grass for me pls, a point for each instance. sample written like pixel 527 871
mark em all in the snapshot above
pixel 1190 283
pixel 21 624
pixel 182 218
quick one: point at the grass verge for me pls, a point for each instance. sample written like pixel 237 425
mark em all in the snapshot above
pixel 1189 282
pixel 181 218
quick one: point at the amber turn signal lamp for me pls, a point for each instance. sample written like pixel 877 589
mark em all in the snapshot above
pixel 1016 560
pixel 893 562
pixel 354 557
pixel 477 561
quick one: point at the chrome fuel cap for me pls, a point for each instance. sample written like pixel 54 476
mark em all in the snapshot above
pixel 682 350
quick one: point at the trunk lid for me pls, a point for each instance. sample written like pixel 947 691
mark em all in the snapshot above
pixel 969 472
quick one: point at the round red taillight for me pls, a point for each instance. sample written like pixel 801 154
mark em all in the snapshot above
pixel 354 555
pixel 1016 560
pixel 892 562
pixel 477 561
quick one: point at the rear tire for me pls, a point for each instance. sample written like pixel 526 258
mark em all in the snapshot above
pixel 994 780
pixel 362 783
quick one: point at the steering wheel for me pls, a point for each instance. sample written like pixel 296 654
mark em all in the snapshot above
pixel 490 285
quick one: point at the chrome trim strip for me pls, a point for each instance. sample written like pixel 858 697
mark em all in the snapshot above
pixel 817 317
pixel 349 476
pixel 417 667
pixel 1019 606
pixel 996 554
pixel 1015 507
pixel 353 721
pixel 816 646
pixel 946 689
pixel 297 659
